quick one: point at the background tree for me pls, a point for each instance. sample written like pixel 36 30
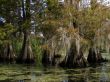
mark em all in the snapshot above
pixel 91 23
pixel 26 55
pixel 10 14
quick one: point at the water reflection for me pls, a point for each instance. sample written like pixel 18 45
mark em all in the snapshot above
pixel 77 75
pixel 32 74
pixel 99 74
pixel 104 76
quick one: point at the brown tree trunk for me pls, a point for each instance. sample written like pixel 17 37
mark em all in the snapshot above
pixel 26 55
pixel 47 58
pixel 10 55
pixel 7 53
pixel 94 57
pixel 74 59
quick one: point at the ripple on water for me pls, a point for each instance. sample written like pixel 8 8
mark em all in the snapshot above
pixel 21 73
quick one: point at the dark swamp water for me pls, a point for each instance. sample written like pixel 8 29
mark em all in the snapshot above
pixel 24 73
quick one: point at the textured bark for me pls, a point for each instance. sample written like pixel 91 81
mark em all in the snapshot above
pixel 26 55
pixel 73 59
pixel 94 57
pixel 10 55
pixel 50 59
pixel 7 54
pixel 64 51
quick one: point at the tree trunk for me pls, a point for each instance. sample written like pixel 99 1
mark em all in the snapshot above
pixel 26 55
pixel 94 57
pixel 7 54
pixel 74 58
pixel 47 58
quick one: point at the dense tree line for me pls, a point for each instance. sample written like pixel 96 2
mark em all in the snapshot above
pixel 68 31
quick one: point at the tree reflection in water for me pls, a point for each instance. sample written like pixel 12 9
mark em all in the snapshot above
pixel 98 74
pixel 26 74
pixel 104 76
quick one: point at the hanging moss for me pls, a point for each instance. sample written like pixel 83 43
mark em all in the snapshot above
pixel 73 59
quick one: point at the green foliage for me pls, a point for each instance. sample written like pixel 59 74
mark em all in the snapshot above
pixel 6 32
pixel 26 25
pixel 8 10
pixel 54 9
pixel 36 47
pixel 50 19
pixel 90 20
pixel 17 46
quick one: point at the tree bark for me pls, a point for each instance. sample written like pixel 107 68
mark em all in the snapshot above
pixel 74 58
pixel 26 55
pixel 94 57
pixel 7 54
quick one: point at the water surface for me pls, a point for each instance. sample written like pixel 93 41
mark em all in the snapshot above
pixel 26 73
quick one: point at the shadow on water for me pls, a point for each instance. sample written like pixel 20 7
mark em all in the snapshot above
pixel 98 74
pixel 18 73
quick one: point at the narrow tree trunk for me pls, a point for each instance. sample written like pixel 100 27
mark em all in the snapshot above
pixel 10 55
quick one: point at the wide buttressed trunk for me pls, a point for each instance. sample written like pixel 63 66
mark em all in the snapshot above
pixel 95 56
pixel 63 51
pixel 7 53
pixel 26 55
pixel 74 58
